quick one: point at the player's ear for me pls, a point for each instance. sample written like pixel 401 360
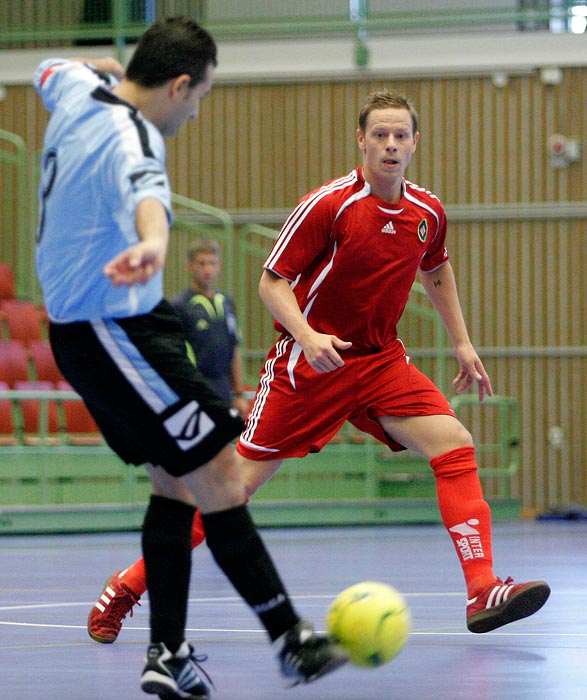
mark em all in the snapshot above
pixel 180 85
pixel 361 139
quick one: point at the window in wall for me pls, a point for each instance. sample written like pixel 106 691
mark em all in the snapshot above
pixel 568 17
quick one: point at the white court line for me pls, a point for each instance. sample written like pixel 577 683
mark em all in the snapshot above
pixel 503 634
pixel 142 629
pixel 221 599
pixel 258 631
pixel 237 599
pixel 36 606
pixel 217 630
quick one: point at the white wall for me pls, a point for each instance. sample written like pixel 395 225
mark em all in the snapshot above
pixel 294 59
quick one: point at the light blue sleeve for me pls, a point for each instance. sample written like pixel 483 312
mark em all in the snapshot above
pixel 148 179
pixel 57 77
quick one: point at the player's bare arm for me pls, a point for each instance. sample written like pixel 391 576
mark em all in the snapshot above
pixel 441 288
pixel 320 349
pixel 137 264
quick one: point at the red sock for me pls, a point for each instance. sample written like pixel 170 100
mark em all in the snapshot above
pixel 135 576
pixel 198 534
pixel 466 515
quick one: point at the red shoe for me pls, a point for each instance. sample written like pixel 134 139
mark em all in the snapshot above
pixel 502 603
pixel 113 605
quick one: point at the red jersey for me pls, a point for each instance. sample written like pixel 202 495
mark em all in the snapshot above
pixel 352 258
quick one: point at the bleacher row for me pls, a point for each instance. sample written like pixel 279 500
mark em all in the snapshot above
pixel 28 414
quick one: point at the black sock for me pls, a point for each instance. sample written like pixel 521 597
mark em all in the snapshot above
pixel 167 549
pixel 239 551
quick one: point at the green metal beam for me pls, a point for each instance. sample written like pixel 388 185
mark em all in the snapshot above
pixel 17 520
pixel 399 21
pixel 17 157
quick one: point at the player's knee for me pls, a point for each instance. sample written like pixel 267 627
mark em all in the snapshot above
pixel 454 436
pixel 168 486
pixel 252 480
pixel 255 474
pixel 462 437
pixel 249 474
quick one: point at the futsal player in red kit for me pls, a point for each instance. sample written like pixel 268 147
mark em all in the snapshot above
pixel 337 282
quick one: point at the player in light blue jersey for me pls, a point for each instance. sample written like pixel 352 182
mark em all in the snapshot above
pixel 101 160
pixel 101 246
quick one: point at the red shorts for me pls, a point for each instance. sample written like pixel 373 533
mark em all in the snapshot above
pixel 296 410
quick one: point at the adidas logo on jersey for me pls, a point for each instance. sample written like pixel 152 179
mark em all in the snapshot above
pixel 388 228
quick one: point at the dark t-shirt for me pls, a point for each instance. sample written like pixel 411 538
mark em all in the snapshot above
pixel 212 331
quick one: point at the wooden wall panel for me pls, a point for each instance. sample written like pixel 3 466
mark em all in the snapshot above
pixel 522 289
pixel 521 279
pixel 263 146
pixel 38 14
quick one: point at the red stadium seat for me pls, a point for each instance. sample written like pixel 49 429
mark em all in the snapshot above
pixel 14 362
pixel 44 362
pixel 7 282
pixel 24 320
pixel 80 426
pixel 31 414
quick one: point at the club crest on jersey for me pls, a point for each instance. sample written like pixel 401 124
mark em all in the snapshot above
pixel 422 230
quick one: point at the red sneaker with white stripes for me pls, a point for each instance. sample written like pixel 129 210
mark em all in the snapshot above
pixel 504 602
pixel 113 605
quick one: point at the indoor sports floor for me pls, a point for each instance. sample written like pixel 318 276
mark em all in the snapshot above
pixel 49 583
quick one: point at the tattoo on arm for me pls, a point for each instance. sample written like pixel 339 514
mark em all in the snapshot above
pixel 437 283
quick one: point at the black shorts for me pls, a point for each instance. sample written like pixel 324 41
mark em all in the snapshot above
pixel 150 402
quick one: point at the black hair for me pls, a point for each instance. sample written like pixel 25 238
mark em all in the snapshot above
pixel 172 47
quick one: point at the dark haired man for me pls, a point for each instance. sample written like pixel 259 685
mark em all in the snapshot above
pixel 101 245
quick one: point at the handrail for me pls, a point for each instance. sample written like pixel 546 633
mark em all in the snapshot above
pixel 72 32
pixel 202 208
pixel 120 29
pixel 467 213
pixel 43 396
pixel 198 213
pixel 244 247
pixel 508 434
pixel 19 160
pixel 399 20
pixel 441 350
